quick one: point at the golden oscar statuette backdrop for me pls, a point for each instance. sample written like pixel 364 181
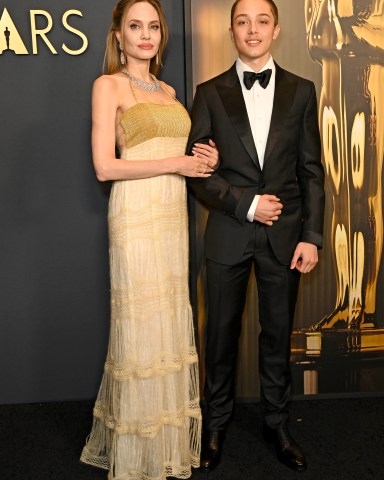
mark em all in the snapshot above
pixel 347 38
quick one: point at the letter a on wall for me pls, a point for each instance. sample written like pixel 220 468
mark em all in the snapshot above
pixel 10 40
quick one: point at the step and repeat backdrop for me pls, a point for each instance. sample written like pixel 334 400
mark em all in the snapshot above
pixel 54 286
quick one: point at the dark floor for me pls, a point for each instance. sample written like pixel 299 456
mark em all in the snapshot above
pixel 343 439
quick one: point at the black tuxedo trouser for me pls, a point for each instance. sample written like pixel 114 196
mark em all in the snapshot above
pixel 277 290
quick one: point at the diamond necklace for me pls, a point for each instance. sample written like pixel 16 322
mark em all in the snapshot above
pixel 152 87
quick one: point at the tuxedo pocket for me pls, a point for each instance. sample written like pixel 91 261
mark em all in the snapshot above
pixel 225 238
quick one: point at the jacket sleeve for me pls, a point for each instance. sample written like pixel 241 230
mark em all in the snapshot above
pixel 310 174
pixel 215 191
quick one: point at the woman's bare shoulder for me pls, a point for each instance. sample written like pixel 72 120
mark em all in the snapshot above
pixel 168 89
pixel 107 82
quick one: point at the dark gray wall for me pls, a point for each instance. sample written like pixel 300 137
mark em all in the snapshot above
pixel 54 285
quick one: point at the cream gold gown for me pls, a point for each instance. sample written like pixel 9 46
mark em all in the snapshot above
pixel 147 419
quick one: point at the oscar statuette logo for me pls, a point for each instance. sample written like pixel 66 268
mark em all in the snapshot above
pixel 11 42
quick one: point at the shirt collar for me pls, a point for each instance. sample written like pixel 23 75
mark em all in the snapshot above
pixel 241 67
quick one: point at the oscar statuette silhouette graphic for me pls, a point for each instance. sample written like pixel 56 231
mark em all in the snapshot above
pixel 7 35
pixel 346 37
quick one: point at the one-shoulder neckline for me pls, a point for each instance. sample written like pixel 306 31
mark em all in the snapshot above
pixel 148 103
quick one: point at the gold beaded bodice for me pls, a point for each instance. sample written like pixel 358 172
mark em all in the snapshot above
pixel 144 121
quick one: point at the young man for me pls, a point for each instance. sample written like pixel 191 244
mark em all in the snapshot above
pixel 266 204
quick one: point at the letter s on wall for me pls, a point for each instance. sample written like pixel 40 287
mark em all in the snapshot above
pixel 76 32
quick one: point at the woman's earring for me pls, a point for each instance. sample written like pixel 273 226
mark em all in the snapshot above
pixel 157 58
pixel 122 56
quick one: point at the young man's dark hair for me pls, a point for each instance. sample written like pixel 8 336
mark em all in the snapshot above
pixel 271 3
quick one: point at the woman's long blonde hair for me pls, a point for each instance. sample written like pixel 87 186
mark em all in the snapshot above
pixel 112 62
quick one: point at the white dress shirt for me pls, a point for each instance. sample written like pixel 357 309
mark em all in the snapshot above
pixel 259 103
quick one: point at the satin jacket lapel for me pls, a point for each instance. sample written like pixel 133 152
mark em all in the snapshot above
pixel 283 98
pixel 233 101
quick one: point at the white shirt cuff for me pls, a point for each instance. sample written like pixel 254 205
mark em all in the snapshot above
pixel 252 208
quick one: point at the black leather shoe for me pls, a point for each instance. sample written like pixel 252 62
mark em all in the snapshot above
pixel 211 450
pixel 288 451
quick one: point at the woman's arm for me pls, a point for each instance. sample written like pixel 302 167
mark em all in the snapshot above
pixel 105 104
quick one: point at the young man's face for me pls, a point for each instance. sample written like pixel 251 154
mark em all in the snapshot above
pixel 254 30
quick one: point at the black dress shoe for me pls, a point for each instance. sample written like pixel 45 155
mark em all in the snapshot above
pixel 211 450
pixel 288 451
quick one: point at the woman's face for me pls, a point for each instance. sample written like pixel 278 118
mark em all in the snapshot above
pixel 140 33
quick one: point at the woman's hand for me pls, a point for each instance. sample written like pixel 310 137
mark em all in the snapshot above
pixel 208 153
pixel 193 166
pixel 202 164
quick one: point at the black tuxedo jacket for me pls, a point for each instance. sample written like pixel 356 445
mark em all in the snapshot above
pixel 292 167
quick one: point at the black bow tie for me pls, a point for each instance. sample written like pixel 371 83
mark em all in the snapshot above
pixel 263 78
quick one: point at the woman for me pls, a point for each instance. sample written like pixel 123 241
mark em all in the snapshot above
pixel 146 417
